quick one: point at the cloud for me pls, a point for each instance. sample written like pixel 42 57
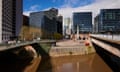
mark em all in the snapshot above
pixel 70 3
pixel 55 1
pixel 93 7
pixel 67 8
pixel 33 8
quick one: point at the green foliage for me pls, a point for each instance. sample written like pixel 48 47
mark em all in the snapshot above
pixel 46 47
pixel 57 36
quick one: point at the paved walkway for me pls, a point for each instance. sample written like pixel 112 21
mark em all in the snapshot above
pixel 69 43
pixel 71 47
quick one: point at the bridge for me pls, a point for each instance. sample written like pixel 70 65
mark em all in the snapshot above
pixel 24 43
pixel 102 50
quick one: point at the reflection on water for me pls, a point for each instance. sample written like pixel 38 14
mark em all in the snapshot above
pixel 84 63
pixel 10 62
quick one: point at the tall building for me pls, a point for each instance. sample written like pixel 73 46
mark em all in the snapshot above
pixel 46 21
pixel 60 24
pixel 67 26
pixel 25 29
pixel 82 21
pixel 96 25
pixel 10 19
pixel 109 20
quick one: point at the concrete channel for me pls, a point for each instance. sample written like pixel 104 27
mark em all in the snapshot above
pixel 110 57
pixel 10 62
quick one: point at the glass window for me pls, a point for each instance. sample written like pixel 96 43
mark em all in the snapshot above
pixel 109 15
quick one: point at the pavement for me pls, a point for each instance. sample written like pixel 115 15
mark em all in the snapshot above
pixel 71 47
pixel 69 43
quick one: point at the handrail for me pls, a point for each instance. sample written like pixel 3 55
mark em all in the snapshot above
pixel 107 47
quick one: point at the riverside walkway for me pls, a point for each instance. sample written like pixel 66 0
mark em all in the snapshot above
pixel 71 47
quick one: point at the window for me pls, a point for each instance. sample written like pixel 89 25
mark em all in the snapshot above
pixel 109 15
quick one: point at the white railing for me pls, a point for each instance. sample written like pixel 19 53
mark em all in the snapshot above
pixel 108 36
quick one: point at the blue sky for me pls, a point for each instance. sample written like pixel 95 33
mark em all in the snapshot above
pixel 44 4
pixel 67 7
pixel 39 5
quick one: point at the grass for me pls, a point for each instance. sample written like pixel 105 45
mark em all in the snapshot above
pixel 46 47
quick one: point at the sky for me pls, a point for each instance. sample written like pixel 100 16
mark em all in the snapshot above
pixel 67 7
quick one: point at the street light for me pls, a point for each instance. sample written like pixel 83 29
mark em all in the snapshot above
pixel 82 29
pixel 78 31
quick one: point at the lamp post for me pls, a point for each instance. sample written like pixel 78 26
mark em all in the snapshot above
pixel 82 29
pixel 77 31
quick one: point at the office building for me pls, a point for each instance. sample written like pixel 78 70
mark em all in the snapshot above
pixel 25 29
pixel 46 21
pixel 109 20
pixel 60 25
pixel 82 22
pixel 10 19
pixel 67 25
pixel 96 25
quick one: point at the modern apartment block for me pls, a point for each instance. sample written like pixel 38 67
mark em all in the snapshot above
pixel 10 19
pixel 82 21
pixel 108 21
pixel 46 21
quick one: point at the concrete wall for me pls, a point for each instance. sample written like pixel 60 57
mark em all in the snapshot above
pixel 0 21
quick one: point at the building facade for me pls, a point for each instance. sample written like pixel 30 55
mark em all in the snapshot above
pixel 25 32
pixel 67 25
pixel 46 21
pixel 10 19
pixel 82 21
pixel 60 25
pixel 96 25
pixel 109 20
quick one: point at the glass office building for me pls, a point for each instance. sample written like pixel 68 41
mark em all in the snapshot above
pixel 109 20
pixel 82 21
pixel 46 21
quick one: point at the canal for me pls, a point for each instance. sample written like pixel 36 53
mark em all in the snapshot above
pixel 23 62
pixel 78 63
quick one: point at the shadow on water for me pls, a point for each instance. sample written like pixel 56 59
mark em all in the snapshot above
pixel 45 63
pixel 11 62
pixel 17 59
pixel 110 59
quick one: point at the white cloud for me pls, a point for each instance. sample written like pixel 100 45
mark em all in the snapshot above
pixel 70 3
pixel 27 13
pixel 33 8
pixel 54 1
pixel 67 3
pixel 66 10
pixel 94 7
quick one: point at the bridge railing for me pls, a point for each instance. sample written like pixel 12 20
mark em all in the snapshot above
pixel 115 37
